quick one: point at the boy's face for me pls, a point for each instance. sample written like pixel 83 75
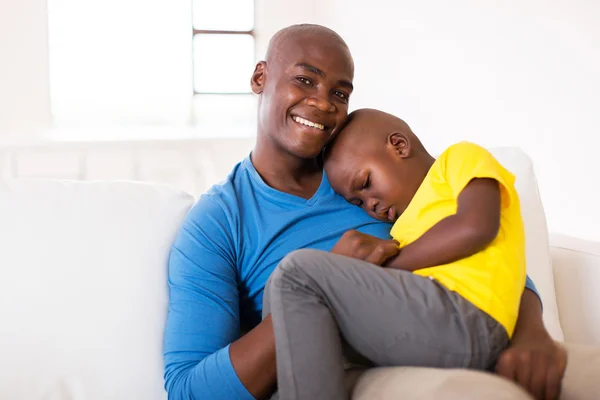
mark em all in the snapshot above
pixel 305 88
pixel 371 181
pixel 372 173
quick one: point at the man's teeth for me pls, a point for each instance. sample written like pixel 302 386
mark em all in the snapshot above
pixel 308 123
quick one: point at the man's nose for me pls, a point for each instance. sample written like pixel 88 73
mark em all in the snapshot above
pixel 321 101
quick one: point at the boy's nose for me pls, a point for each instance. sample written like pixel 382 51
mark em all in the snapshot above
pixel 372 204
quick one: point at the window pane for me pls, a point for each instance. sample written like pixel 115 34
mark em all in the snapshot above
pixel 224 15
pixel 225 115
pixel 223 63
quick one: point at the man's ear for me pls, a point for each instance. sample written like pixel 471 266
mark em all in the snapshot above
pixel 257 82
pixel 400 143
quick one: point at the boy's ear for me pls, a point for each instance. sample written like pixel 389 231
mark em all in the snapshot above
pixel 400 144
pixel 257 82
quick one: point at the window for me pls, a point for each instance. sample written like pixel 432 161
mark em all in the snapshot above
pixel 223 45
pixel 223 61
pixel 168 65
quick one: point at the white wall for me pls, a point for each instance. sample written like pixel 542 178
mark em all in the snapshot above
pixel 516 72
pixel 24 96
pixel 272 15
pixel 157 45
pixel 513 72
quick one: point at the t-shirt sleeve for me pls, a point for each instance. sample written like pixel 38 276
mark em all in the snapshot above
pixel 466 161
pixel 203 316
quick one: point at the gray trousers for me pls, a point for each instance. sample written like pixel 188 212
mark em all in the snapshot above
pixel 320 301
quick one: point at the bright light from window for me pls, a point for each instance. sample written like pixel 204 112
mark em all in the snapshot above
pixel 131 63
pixel 223 63
pixel 224 15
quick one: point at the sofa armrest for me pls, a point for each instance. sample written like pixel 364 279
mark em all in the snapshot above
pixel 576 266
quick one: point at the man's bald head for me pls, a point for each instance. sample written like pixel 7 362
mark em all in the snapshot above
pixel 284 37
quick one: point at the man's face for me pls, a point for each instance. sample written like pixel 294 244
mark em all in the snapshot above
pixel 304 93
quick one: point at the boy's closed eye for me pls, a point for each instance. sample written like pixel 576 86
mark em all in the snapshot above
pixel 366 184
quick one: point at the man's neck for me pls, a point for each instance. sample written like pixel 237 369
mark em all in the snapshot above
pixel 285 172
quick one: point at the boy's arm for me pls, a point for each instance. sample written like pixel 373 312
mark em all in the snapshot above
pixel 472 228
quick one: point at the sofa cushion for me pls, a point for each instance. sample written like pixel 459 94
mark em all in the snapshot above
pixel 391 383
pixel 411 383
pixel 539 264
pixel 83 290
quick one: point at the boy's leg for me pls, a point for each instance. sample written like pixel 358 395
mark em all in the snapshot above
pixel 390 316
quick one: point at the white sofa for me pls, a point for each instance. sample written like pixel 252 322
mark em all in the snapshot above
pixel 83 295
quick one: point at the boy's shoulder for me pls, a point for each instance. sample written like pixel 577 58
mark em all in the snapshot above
pixel 465 154
pixel 466 149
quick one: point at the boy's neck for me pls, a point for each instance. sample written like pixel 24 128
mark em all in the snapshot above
pixel 426 161
pixel 284 171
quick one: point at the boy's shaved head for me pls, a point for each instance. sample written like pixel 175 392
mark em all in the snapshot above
pixel 377 162
pixel 368 130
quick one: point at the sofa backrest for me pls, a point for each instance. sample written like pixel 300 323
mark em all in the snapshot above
pixel 539 263
pixel 83 288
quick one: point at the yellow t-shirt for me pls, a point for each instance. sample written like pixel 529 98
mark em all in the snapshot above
pixel 492 279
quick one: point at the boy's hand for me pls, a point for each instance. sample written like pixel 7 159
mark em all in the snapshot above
pixel 365 247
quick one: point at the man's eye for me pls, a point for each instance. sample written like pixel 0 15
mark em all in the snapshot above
pixel 341 95
pixel 356 202
pixel 304 80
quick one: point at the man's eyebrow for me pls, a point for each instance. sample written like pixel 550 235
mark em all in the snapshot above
pixel 346 84
pixel 311 68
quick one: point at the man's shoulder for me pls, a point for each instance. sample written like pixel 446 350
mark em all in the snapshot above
pixel 222 199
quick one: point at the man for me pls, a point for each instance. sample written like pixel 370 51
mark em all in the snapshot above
pixel 278 200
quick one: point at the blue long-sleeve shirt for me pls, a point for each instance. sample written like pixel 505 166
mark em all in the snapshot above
pixel 230 242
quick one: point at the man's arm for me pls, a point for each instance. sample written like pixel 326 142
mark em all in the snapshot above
pixel 204 356
pixel 472 228
pixel 533 359
pixel 253 358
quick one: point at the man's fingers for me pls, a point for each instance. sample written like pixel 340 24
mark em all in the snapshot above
pixel 539 370
pixel 506 365
pixel 523 370
pixel 553 384
pixel 382 252
pixel 554 377
pixel 390 249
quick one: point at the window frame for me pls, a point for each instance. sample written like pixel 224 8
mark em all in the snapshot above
pixel 198 32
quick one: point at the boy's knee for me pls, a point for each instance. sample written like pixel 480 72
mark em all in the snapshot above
pixel 300 260
pixel 299 265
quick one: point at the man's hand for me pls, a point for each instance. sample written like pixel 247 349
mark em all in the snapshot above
pixel 365 247
pixel 538 366
pixel 534 360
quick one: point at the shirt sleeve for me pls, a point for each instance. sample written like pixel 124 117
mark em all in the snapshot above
pixel 531 286
pixel 466 161
pixel 203 316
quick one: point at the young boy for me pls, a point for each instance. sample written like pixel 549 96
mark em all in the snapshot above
pixel 449 298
